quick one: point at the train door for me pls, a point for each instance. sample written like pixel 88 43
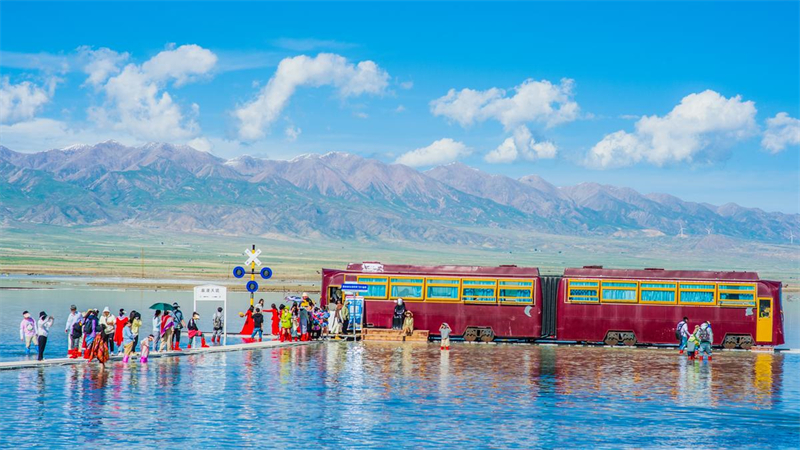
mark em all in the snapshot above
pixel 764 320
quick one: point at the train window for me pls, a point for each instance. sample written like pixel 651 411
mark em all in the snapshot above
pixel 377 287
pixel 697 294
pixel 658 292
pixel 586 291
pixel 516 292
pixel 619 291
pixel 406 288
pixel 737 295
pixel 442 289
pixel 479 291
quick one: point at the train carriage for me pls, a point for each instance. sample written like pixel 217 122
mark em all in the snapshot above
pixel 630 306
pixel 589 304
pixel 479 303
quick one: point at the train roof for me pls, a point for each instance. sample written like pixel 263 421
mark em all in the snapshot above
pixel 377 267
pixel 657 273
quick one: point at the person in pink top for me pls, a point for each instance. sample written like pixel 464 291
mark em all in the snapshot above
pixel 27 331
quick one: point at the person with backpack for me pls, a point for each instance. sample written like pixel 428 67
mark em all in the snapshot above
pixel 91 326
pixel 27 331
pixel 706 338
pixel 692 343
pixel 74 316
pixel 218 322
pixel 75 333
pixel 682 334
pixel 179 325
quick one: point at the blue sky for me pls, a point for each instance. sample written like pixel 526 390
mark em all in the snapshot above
pixel 700 100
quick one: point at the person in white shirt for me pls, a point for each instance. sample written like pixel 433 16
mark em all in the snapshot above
pixel 43 329
pixel 109 324
pixel 74 316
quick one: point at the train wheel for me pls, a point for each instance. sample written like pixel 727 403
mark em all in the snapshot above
pixel 612 338
pixel 471 334
pixel 729 342
pixel 628 339
pixel 487 335
pixel 746 342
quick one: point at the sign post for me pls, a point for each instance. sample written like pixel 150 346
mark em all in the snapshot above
pixel 213 293
pixel 252 261
pixel 355 305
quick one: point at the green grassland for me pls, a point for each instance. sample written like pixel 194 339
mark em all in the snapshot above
pixel 118 251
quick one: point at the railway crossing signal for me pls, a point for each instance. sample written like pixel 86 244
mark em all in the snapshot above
pixel 252 261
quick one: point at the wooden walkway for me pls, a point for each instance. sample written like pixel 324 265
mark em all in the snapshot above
pixel 29 364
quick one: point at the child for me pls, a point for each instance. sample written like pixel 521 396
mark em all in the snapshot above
pixel 146 348
pixel 692 343
pixel 258 322
pixel 194 331
pixel 408 323
pixel 445 330
pixel 27 331
pixel 219 324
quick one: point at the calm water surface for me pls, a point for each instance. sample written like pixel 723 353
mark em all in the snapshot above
pixel 388 394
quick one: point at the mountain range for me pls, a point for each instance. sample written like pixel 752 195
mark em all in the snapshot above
pixel 341 196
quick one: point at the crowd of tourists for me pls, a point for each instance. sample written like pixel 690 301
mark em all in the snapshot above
pixel 698 342
pixel 300 319
pixel 97 335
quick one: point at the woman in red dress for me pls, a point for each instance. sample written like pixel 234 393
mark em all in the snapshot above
pixel 247 329
pixel 276 321
pixel 122 320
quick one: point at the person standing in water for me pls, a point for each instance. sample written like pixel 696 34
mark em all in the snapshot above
pixel 156 330
pixel 127 342
pixel 42 330
pixel 258 323
pixel 136 325
pixel 276 320
pixel 108 323
pixel 146 344
pixel 194 331
pixel 91 326
pixel 122 320
pixel 74 316
pixel 444 331
pixel 179 325
pixel 218 322
pixel 286 323
pixel 27 331
pixel 167 328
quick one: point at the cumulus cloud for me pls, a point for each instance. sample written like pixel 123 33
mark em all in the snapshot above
pixel 325 69
pixel 696 129
pixel 782 130
pixel 531 101
pixel 521 145
pixel 20 102
pixel 201 143
pixel 292 133
pixel 100 64
pixel 136 100
pixel 439 152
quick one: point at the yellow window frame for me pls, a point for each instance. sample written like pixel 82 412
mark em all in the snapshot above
pixel 569 295
pixel 374 283
pixel 659 289
pixel 406 298
pixel 619 288
pixel 478 286
pixel 681 290
pixel 436 282
pixel 526 300
pixel 737 303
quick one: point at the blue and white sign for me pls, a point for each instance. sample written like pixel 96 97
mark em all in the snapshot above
pixel 354 287
pixel 356 307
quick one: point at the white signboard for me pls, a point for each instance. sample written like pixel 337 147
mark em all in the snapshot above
pixel 214 293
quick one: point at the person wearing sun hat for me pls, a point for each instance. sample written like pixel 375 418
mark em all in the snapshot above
pixel 74 316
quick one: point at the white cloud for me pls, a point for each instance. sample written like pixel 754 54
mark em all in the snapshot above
pixel 181 64
pixel 201 143
pixel 361 115
pixel 325 69
pixel 20 102
pixel 101 63
pixel 522 144
pixel 782 130
pixel 696 129
pixel 292 133
pixel 440 152
pixel 136 102
pixel 532 101
pixel 407 85
pixel 399 109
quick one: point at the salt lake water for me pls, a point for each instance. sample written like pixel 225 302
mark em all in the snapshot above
pixel 336 394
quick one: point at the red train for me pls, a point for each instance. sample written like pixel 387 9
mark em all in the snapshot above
pixel 589 304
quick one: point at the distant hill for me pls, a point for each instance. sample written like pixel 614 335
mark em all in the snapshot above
pixel 339 195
